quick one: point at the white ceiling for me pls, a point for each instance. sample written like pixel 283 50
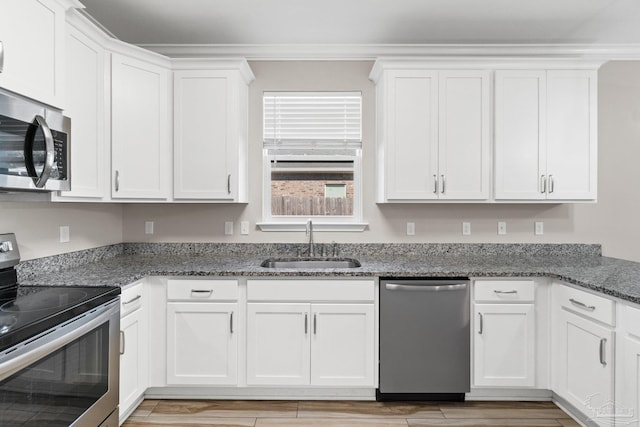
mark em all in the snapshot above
pixel 372 22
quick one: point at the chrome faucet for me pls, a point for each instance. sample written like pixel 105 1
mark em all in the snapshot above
pixel 309 232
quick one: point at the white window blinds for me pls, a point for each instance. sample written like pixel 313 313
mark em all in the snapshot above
pixel 303 118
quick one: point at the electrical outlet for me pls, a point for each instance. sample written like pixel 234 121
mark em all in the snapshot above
pixel 228 228
pixel 64 234
pixel 502 227
pixel 244 227
pixel 466 228
pixel 411 229
pixel 148 227
pixel 539 228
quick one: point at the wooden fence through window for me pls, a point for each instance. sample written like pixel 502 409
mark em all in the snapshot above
pixel 311 206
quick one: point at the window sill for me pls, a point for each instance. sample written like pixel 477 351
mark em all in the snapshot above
pixel 317 226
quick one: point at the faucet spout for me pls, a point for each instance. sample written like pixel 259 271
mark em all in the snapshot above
pixel 311 249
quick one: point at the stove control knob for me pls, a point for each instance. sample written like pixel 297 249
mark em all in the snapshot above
pixel 6 246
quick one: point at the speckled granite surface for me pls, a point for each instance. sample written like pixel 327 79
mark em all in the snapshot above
pixel 123 264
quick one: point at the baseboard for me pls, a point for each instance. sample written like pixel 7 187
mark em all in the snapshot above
pixel 261 393
pixel 509 394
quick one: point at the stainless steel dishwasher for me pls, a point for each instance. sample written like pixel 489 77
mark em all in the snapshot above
pixel 424 339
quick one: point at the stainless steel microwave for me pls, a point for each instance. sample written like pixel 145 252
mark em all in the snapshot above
pixel 34 146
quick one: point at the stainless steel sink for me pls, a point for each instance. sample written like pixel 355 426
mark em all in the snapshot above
pixel 310 263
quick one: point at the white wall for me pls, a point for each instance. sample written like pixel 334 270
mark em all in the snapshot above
pixel 36 226
pixel 610 221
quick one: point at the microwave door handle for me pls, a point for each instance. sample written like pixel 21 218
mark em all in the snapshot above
pixel 41 180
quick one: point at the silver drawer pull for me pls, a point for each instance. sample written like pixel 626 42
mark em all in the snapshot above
pixel 505 292
pixel 132 300
pixel 202 293
pixel 122 342
pixel 582 305
pixel 231 322
pixel 481 324
pixel 603 342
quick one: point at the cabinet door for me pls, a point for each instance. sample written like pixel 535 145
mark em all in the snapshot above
pixel 504 345
pixel 520 131
pixel 205 134
pixel 140 139
pixel 584 371
pixel 628 402
pixel 572 134
pixel 32 33
pixel 86 104
pixel 202 344
pixel 411 135
pixel 278 344
pixel 464 135
pixel 342 345
pixel 133 359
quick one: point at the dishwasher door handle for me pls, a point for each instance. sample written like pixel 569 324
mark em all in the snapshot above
pixel 425 288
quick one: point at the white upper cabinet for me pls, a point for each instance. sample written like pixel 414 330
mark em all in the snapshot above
pixel 87 101
pixel 210 133
pixel 546 135
pixel 32 33
pixel 140 129
pixel 433 134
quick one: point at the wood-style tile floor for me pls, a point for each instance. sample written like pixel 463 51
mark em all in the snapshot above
pixel 204 413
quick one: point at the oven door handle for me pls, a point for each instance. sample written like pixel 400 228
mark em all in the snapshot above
pixel 56 339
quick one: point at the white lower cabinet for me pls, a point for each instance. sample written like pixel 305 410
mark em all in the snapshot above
pixel 202 343
pixel 202 347
pixel 278 344
pixel 627 390
pixel 583 358
pixel 133 349
pixel 504 345
pixel 295 341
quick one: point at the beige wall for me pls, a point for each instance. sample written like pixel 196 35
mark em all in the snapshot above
pixel 612 221
pixel 36 226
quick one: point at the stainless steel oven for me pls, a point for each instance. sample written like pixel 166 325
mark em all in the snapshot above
pixel 34 146
pixel 65 376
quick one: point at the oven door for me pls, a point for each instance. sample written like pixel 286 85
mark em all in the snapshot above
pixel 68 376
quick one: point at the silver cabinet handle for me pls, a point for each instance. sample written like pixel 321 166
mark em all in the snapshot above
pixel 117 183
pixel 122 342
pixel 603 343
pixel 229 184
pixel 136 298
pixel 543 184
pixel 40 180
pixel 315 323
pixel 443 184
pixel 1 57
pixel 306 323
pixel 481 328
pixel 551 184
pixel 582 305
pixel 231 322
pixel 435 184
pixel 422 288
pixel 505 292
pixel 201 293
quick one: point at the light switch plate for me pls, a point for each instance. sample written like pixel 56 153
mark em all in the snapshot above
pixel 411 229
pixel 148 227
pixel 539 228
pixel 244 227
pixel 228 228
pixel 502 227
pixel 64 234
pixel 466 228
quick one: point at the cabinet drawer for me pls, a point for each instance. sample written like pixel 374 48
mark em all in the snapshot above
pixel 202 290
pixel 310 290
pixel 504 290
pixel 587 304
pixel 631 320
pixel 131 299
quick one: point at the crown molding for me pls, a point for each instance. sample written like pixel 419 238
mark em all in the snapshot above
pixel 596 52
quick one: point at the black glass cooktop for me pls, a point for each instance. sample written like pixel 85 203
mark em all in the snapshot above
pixel 38 308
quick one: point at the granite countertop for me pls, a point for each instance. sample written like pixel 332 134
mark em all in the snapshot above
pixel 583 266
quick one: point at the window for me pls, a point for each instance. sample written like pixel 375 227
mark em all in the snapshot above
pixel 312 160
